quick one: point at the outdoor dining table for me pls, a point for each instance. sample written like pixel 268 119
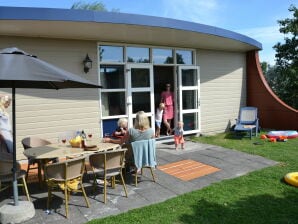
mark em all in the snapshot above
pixel 61 150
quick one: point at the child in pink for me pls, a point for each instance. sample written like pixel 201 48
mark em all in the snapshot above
pixel 178 135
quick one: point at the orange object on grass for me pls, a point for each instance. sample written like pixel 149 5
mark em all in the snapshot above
pixel 272 139
pixel 263 137
pixel 282 137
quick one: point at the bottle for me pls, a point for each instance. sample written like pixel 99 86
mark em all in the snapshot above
pixel 84 138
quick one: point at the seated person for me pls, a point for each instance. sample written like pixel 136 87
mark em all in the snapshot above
pixel 121 129
pixel 140 131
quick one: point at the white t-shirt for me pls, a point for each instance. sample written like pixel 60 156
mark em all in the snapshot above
pixel 5 130
pixel 4 122
pixel 158 115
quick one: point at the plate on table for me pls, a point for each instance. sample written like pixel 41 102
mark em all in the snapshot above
pixel 91 148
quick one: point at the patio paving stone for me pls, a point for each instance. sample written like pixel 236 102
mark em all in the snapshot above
pixel 231 162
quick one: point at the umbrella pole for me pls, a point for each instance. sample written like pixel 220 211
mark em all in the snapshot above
pixel 14 169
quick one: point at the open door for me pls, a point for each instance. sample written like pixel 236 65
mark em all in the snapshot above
pixel 140 91
pixel 188 98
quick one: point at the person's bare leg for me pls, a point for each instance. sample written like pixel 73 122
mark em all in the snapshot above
pixel 167 126
pixel 157 134
pixel 169 129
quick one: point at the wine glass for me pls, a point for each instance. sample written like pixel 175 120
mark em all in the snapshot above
pixel 62 139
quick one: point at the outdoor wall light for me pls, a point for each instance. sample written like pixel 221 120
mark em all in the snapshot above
pixel 87 64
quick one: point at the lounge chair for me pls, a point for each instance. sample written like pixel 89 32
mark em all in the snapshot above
pixel 248 121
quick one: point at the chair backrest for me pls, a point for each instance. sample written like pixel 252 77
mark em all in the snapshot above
pixel 65 170
pixel 3 147
pixel 144 152
pixel 107 160
pixel 4 154
pixel 30 142
pixel 6 167
pixel 248 115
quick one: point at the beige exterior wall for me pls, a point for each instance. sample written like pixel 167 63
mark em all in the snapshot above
pixel 49 113
pixel 223 88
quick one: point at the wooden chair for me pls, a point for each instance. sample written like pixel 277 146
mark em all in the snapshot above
pixel 108 165
pixel 31 142
pixel 144 153
pixel 6 176
pixel 66 176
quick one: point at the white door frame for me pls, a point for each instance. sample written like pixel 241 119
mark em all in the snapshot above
pixel 180 89
pixel 130 90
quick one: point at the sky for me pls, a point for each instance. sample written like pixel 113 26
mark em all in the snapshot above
pixel 254 18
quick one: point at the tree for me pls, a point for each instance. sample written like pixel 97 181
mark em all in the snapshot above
pixel 285 81
pixel 95 6
pixel 283 76
pixel 264 66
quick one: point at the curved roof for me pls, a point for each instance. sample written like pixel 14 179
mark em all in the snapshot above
pixel 119 27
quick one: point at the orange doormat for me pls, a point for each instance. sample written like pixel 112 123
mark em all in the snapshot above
pixel 187 169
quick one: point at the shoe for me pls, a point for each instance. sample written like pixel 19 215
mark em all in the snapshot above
pixel 101 182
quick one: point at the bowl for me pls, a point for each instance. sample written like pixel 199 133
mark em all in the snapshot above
pixel 75 144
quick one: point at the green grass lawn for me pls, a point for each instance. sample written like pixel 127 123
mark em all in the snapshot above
pixel 258 197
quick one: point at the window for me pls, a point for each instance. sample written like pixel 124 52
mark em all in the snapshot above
pixel 189 99
pixel 162 56
pixel 189 77
pixel 110 54
pixel 112 76
pixel 140 78
pixel 113 93
pixel 113 103
pixel 141 101
pixel 137 54
pixel 190 121
pixel 184 57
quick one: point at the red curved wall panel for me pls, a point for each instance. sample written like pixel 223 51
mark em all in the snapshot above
pixel 273 112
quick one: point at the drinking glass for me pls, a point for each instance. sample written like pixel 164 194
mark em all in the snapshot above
pixel 62 139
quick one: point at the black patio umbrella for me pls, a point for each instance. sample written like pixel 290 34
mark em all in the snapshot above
pixel 19 69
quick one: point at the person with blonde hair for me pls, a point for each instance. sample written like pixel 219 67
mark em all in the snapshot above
pixel 140 131
pixel 178 135
pixel 5 125
pixel 121 129
pixel 158 118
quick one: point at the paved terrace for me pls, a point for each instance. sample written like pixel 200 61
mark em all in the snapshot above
pixel 230 162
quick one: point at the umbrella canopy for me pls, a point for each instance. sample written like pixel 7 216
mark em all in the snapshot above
pixel 19 69
pixel 22 70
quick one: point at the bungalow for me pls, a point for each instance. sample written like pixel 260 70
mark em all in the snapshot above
pixel 133 57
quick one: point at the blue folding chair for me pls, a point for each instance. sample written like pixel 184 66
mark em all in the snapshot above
pixel 248 121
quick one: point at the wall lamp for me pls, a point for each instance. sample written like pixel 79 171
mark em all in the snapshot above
pixel 87 64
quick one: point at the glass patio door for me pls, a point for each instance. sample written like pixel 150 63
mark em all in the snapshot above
pixel 188 98
pixel 140 91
